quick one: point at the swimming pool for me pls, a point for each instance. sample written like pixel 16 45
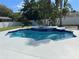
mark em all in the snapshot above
pixel 42 33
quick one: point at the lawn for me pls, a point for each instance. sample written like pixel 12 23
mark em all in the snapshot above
pixel 12 27
pixel 9 28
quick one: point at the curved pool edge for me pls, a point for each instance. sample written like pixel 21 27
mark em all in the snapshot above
pixel 75 32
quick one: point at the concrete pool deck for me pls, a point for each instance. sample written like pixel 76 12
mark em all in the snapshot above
pixel 18 48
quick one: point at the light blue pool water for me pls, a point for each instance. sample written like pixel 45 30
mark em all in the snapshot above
pixel 41 34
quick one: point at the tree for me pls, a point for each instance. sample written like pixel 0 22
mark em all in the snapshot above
pixel 44 9
pixel 16 16
pixel 4 11
pixel 30 10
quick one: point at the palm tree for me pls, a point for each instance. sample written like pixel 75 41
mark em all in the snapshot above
pixel 61 12
pixel 62 8
pixel 66 8
pixel 58 4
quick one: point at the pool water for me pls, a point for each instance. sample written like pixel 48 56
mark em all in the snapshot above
pixel 41 34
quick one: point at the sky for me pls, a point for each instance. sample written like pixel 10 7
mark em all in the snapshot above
pixel 15 5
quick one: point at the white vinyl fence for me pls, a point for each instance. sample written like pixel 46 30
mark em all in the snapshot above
pixel 6 24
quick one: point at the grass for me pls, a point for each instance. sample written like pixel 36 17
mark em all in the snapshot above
pixel 13 27
pixel 9 28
